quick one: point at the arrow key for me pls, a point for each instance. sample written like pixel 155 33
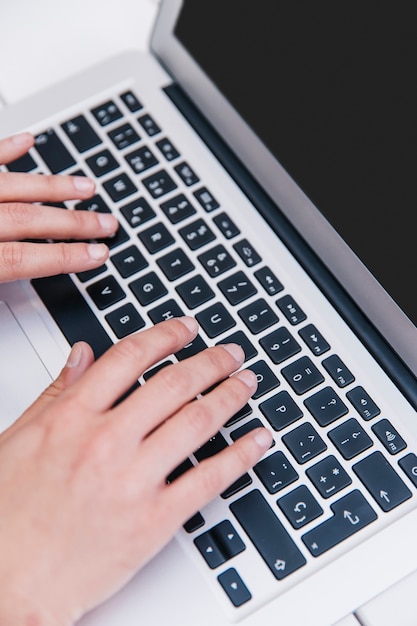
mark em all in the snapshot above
pixel 219 544
pixel 382 481
pixel 234 587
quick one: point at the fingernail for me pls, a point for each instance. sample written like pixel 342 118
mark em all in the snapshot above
pixel 235 350
pixel 189 322
pixel 107 222
pixel 263 438
pixel 248 377
pixel 75 355
pixel 97 251
pixel 22 139
pixel 83 184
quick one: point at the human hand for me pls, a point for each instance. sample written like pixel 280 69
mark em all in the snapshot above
pixel 20 220
pixel 83 495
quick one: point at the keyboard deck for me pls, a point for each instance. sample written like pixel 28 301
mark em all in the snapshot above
pixel 339 464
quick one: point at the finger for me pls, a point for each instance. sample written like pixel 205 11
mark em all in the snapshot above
pixel 119 368
pixel 196 423
pixel 12 148
pixel 19 187
pixel 34 260
pixel 28 221
pixel 197 487
pixel 174 386
pixel 79 360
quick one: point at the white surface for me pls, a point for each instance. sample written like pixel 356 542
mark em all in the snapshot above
pixel 45 41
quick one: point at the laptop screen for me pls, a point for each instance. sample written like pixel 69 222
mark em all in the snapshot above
pixel 331 90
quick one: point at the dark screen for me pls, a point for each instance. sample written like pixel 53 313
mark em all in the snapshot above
pixel 330 87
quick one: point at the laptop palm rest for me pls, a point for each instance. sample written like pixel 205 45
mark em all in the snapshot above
pixel 23 376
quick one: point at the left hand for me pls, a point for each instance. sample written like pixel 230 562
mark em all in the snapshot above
pixel 22 220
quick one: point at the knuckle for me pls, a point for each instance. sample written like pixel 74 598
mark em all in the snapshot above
pixel 175 382
pixel 129 349
pixel 18 213
pixel 11 255
pixel 199 419
pixel 64 255
pixel 211 478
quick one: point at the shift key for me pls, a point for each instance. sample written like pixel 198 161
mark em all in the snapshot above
pixel 268 535
pixel 53 151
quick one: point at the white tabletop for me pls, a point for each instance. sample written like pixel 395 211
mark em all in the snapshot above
pixel 44 41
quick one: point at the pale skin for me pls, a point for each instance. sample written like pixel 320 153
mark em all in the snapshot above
pixel 83 494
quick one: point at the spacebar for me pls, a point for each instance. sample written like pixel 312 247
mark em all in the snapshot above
pixel 71 312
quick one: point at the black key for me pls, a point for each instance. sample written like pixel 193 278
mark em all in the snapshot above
pixel 196 234
pixel 154 370
pixel 24 163
pixel 338 370
pixel 148 288
pixel 137 212
pixel 181 469
pixel 351 513
pixel 216 444
pixel 300 507
pixel 281 410
pixel 234 587
pixel 215 320
pixel 131 101
pixel 363 403
pixel 302 375
pixel 409 465
pixel 175 264
pixel 350 438
pixel 81 133
pixel 269 281
pixel 216 261
pixel 381 480
pixel 226 226
pixel 240 338
pixel 141 159
pixel 123 136
pixel 125 320
pixel 247 428
pixel 237 288
pixel 149 125
pixel 105 292
pixel 266 378
pixel 89 274
pixel 314 340
pixel 268 534
pixel 156 238
pixel 247 253
pixel 194 523
pixel 119 187
pixel 165 311
pixel 280 345
pixel 288 306
pixel 129 261
pixel 239 484
pixel 194 347
pixel 275 472
pixel 219 544
pixel 206 199
pixel 304 443
pixel 195 291
pixel 159 184
pixel 71 312
pixel 96 203
pixel 167 149
pixel 258 316
pixel 106 113
pixel 177 208
pixel 102 163
pixel 389 436
pixel 243 412
pixel 187 175
pixel 53 151
pixel 120 236
pixel 326 406
pixel 328 476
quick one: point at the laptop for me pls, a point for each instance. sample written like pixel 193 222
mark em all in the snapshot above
pixel 259 163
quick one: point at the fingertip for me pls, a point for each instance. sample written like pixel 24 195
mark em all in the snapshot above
pixel 190 323
pixel 22 140
pixel 97 251
pixel 262 438
pixel 83 185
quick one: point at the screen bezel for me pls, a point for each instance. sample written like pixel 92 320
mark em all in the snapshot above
pixel 330 247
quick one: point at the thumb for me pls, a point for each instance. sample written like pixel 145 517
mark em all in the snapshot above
pixel 79 360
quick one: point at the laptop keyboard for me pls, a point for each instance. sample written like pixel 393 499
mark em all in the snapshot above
pixel 337 463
